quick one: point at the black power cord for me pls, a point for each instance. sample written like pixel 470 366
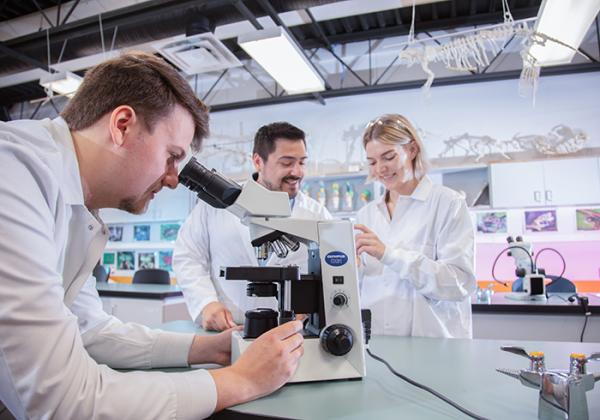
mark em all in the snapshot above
pixel 366 320
pixel 558 253
pixel 426 388
pixel 502 252
pixel 584 302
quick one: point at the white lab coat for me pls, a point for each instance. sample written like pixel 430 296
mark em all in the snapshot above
pixel 213 238
pixel 56 343
pixel 423 283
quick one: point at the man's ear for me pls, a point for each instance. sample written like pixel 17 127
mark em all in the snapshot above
pixel 258 162
pixel 121 122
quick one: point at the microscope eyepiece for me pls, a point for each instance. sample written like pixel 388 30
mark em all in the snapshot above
pixel 210 186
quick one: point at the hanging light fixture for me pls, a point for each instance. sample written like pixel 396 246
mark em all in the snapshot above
pixel 279 55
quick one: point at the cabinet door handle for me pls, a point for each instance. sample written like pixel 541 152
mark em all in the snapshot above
pixel 548 194
pixel 537 196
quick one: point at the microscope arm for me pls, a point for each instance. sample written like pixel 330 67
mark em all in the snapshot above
pixel 303 229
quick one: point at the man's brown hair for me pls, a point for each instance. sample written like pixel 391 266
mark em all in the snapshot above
pixel 267 135
pixel 146 83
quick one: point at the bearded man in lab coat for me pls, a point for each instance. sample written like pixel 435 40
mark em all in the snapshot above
pixel 212 238
pixel 118 142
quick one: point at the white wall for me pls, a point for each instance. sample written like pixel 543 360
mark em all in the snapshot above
pixel 491 108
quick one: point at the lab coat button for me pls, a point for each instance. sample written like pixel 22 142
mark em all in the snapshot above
pixel 90 227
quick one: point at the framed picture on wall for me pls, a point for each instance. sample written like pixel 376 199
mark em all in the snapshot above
pixel 169 231
pixel 540 221
pixel 491 222
pixel 115 233
pixel 146 260
pixel 588 219
pixel 165 260
pixel 125 260
pixel 108 259
pixel 141 232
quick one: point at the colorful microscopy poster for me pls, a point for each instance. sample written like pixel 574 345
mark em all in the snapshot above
pixel 125 260
pixel 115 233
pixel 141 232
pixel 491 222
pixel 165 260
pixel 588 219
pixel 108 259
pixel 146 260
pixel 540 221
pixel 168 231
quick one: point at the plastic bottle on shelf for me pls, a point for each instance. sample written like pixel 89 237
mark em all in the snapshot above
pixel 321 194
pixel 306 189
pixel 335 197
pixel 349 198
pixel 365 196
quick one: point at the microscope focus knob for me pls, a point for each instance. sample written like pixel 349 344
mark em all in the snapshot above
pixel 340 299
pixel 337 339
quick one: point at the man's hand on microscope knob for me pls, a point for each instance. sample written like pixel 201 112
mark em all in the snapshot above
pixel 216 317
pixel 267 364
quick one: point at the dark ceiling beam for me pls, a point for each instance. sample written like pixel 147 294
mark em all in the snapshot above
pixel 347 25
pixel 58 7
pixel 473 7
pixel 37 6
pixel 442 24
pixel 363 22
pixel 137 13
pixel 329 47
pixel 380 19
pixel 415 84
pixel 3 6
pixel 247 14
pixel 4 49
pixel 10 9
pixel 68 15
pixel 22 10
pixel 330 27
pixel 397 16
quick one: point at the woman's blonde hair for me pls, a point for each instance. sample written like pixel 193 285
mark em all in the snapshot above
pixel 395 129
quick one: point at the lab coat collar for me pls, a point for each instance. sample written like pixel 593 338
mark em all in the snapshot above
pixel 71 177
pixel 421 192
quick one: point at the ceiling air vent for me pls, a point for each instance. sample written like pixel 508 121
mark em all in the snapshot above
pixel 200 53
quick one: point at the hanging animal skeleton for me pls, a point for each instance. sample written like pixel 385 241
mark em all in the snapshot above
pixel 561 140
pixel 475 49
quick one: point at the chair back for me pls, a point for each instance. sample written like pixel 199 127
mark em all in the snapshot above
pixel 101 274
pixel 152 276
pixel 560 285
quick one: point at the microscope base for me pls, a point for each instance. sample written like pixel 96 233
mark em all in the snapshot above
pixel 523 296
pixel 315 365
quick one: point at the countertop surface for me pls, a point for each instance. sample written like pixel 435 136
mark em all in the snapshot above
pixel 138 290
pixel 463 370
pixel 555 303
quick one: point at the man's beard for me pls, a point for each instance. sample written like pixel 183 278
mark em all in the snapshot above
pixel 132 205
pixel 273 187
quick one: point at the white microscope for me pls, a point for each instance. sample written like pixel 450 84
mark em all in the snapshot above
pixel 534 287
pixel 328 294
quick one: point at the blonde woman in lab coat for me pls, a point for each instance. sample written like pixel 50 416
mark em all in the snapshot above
pixel 415 244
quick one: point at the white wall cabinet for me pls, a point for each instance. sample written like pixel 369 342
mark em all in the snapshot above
pixel 546 183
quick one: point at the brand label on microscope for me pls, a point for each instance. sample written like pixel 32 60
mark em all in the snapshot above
pixel 336 258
